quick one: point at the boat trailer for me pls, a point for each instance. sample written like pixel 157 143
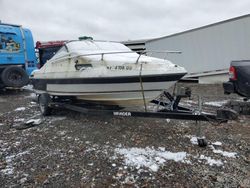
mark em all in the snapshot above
pixel 168 107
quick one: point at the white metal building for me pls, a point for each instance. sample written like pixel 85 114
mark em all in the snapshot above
pixel 136 45
pixel 207 51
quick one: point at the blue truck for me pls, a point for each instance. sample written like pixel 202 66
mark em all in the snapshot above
pixel 17 55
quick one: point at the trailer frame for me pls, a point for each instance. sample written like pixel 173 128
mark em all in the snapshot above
pixel 171 110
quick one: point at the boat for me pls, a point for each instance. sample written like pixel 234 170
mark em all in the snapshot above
pixel 103 72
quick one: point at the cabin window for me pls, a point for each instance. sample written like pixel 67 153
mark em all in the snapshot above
pixel 82 66
pixel 47 53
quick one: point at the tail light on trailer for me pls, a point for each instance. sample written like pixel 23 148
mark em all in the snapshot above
pixel 232 73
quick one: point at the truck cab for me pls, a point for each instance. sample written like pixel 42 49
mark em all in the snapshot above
pixel 46 50
pixel 17 55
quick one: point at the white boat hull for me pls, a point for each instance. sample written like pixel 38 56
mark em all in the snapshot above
pixel 125 94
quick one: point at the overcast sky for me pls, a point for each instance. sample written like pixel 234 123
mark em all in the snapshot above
pixel 116 19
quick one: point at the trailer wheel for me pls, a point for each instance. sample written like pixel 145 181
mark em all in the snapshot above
pixel 43 101
pixel 14 76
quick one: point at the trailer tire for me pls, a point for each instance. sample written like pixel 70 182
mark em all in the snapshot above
pixel 14 76
pixel 43 101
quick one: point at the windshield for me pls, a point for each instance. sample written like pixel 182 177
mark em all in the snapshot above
pixel 47 53
pixel 94 46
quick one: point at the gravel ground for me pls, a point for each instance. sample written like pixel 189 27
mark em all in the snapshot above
pixel 69 149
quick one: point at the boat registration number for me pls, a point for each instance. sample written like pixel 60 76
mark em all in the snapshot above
pixel 119 67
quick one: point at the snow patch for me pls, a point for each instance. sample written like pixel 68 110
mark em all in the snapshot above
pixel 225 153
pixel 19 120
pixel 20 109
pixel 9 169
pixel 34 121
pixel 62 133
pixel 149 157
pixel 217 143
pixel 211 161
pixel 28 87
pixel 32 96
pixel 194 140
pixel 168 120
